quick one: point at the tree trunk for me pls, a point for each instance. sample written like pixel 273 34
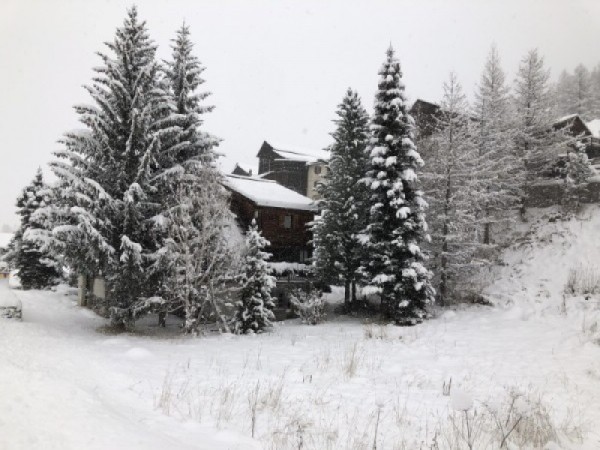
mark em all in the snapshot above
pixel 347 296
pixel 487 232
pixel 353 291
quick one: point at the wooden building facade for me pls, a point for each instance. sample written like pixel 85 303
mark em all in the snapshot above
pixel 291 167
pixel 281 214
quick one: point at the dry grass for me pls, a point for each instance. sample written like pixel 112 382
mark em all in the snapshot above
pixel 583 279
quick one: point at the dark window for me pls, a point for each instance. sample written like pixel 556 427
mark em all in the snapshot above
pixel 303 256
pixel 287 221
pixel 317 170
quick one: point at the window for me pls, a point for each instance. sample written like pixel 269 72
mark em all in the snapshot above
pixel 303 256
pixel 317 170
pixel 287 221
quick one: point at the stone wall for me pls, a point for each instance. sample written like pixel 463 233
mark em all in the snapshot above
pixel 552 193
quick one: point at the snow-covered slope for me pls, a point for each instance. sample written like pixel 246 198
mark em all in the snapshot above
pixel 64 384
pixel 536 269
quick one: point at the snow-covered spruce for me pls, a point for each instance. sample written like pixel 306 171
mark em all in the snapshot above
pixel 397 224
pixel 537 142
pixel 338 250
pixel 106 172
pixel 255 307
pixel 450 153
pixel 575 93
pixel 192 252
pixel 27 251
pixel 500 173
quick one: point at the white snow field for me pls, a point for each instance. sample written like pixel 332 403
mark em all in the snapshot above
pixel 446 384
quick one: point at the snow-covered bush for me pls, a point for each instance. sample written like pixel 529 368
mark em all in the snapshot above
pixel 309 306
pixel 10 308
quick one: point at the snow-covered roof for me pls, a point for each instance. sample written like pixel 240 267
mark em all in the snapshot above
pixel 565 118
pixel 5 239
pixel 299 154
pixel 594 127
pixel 268 193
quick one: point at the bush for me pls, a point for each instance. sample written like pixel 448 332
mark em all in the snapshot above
pixel 583 280
pixel 309 306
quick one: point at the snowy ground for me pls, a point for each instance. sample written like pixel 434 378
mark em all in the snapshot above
pixel 66 385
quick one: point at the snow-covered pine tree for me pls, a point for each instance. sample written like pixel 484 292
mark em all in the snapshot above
pixel 451 161
pixel 37 268
pixel 184 78
pixel 397 224
pixel 595 89
pixel 343 199
pixel 500 174
pixel 562 94
pixel 106 170
pixel 536 141
pixel 255 308
pixel 582 102
pixel 187 178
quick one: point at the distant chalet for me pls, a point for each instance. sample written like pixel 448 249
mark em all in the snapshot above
pixel 282 215
pixel 296 169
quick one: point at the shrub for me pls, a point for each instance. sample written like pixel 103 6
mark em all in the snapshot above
pixel 309 306
pixel 583 279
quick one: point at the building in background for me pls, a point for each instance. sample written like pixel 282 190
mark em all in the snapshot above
pixel 282 215
pixel 296 169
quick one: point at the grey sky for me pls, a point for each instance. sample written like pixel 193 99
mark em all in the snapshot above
pixel 277 69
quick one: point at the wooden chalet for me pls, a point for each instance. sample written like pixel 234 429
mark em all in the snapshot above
pixel 282 215
pixel 574 126
pixel 296 169
pixel 425 114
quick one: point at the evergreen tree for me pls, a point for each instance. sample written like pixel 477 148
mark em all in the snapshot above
pixel 338 250
pixel 37 269
pixel 534 114
pixel 500 174
pixel 397 224
pixel 581 102
pixel 255 307
pixel 563 92
pixel 106 172
pixel 451 161
pixel 595 88
pixel 187 170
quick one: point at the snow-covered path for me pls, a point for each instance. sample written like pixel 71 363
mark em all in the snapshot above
pixel 65 385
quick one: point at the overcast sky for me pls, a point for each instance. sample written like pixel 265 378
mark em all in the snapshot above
pixel 277 69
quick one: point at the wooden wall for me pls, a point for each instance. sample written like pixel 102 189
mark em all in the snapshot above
pixel 291 174
pixel 286 243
